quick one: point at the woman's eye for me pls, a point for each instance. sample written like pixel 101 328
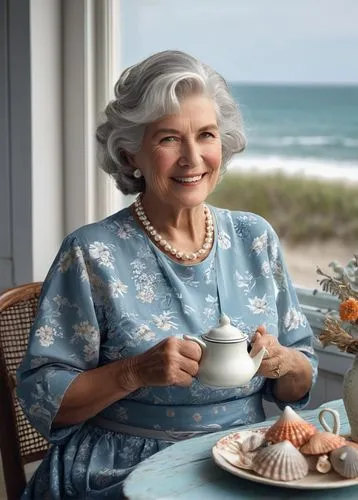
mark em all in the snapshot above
pixel 168 139
pixel 207 135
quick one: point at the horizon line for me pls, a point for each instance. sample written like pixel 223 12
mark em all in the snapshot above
pixel 296 84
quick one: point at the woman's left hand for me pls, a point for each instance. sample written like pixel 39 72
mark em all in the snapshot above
pixel 277 362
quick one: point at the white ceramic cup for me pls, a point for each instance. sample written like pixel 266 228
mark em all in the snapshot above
pixel 335 429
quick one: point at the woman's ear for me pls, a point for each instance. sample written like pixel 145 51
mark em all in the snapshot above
pixel 129 158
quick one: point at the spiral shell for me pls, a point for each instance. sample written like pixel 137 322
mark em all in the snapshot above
pixel 290 427
pixel 319 463
pixel 345 461
pixel 322 443
pixel 323 464
pixel 281 462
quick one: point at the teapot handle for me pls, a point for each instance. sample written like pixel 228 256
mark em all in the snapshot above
pixel 194 339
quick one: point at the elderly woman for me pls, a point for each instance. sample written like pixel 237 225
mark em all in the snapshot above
pixel 108 377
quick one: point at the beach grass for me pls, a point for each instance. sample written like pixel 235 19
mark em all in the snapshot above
pixel 300 209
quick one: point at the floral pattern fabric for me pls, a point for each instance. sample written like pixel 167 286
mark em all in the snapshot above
pixel 110 294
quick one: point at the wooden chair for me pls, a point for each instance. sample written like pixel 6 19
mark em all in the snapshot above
pixel 20 443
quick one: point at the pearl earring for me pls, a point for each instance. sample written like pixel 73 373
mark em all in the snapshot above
pixel 137 173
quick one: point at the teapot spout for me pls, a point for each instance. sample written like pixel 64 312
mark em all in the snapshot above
pixel 258 358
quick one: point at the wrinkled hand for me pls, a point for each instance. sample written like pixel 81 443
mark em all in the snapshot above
pixel 277 362
pixel 171 362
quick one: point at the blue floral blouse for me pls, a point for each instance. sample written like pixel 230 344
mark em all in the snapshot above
pixel 111 294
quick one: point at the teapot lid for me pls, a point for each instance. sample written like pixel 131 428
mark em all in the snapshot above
pixel 225 332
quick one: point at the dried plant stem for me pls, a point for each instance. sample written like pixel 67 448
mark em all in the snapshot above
pixel 334 334
pixel 340 287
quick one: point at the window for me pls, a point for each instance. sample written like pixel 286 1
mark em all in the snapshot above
pixel 291 68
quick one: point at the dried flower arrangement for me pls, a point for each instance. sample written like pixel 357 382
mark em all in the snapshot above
pixel 342 332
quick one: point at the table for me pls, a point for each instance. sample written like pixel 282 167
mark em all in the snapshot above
pixel 187 471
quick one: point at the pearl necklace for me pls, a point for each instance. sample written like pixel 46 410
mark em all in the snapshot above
pixel 160 241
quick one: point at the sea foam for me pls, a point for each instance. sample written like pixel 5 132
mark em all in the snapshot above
pixel 303 167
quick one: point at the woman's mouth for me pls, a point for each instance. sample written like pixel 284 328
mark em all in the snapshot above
pixel 188 180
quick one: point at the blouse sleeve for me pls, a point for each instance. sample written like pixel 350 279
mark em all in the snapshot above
pixel 294 330
pixel 64 341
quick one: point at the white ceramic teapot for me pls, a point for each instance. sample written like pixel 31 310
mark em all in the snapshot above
pixel 225 360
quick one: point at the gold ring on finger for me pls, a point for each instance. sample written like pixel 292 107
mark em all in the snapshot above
pixel 276 372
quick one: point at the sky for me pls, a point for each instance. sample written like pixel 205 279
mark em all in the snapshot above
pixel 263 41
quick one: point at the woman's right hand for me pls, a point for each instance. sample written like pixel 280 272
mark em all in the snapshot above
pixel 171 362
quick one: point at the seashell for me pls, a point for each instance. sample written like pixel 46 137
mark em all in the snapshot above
pixel 233 442
pixel 345 461
pixel 353 444
pixel 290 427
pixel 238 459
pixel 323 464
pixel 281 462
pixel 232 446
pixel 319 463
pixel 253 442
pixel 321 443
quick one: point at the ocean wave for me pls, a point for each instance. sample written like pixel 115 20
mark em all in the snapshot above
pixel 350 143
pixel 306 141
pixel 305 167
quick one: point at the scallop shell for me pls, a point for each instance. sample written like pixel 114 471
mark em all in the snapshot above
pixel 239 459
pixel 321 443
pixel 290 427
pixel 253 442
pixel 281 462
pixel 233 442
pixel 345 461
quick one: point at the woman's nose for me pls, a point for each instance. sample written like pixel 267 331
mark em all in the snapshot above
pixel 190 155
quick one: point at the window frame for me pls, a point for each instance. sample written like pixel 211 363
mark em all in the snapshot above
pixel 90 69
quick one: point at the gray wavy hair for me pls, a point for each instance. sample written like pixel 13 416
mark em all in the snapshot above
pixel 151 90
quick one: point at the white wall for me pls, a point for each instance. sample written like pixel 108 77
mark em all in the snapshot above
pixel 56 73
pixel 31 143
pixel 31 187
pixel 5 211
pixel 46 126
pixel 15 147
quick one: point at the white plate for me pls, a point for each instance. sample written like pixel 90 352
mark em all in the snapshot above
pixel 313 481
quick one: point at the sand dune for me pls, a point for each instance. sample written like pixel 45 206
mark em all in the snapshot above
pixel 302 259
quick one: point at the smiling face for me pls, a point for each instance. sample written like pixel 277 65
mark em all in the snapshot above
pixel 180 156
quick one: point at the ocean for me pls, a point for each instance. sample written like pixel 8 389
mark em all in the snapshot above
pixel 310 130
